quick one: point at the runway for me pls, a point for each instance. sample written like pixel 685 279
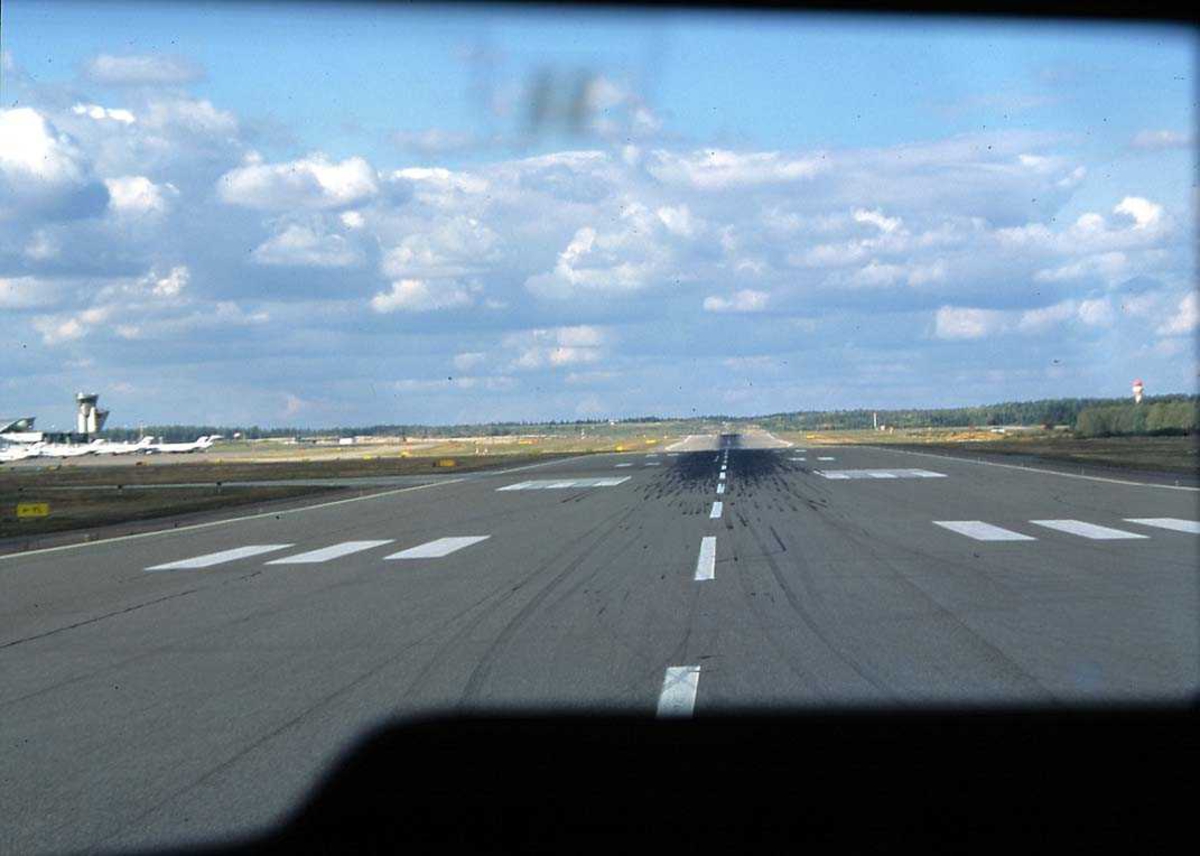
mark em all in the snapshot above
pixel 191 684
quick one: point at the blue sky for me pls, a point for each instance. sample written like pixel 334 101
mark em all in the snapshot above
pixel 344 214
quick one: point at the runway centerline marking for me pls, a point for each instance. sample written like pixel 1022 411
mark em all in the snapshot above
pixel 325 554
pixel 720 489
pixel 825 458
pixel 1173 523
pixel 706 562
pixel 981 531
pixel 623 465
pixel 721 476
pixel 210 559
pixel 677 698
pixel 1088 530
pixel 717 508
pixel 439 548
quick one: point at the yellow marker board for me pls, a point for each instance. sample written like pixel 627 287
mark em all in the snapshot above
pixel 446 462
pixel 33 509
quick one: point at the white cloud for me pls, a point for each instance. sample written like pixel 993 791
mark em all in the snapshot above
pixel 955 322
pixel 557 347
pixel 446 247
pixel 171 285
pixel 189 116
pixel 138 196
pixel 314 182
pixel 30 145
pixel 718 169
pixel 1185 319
pixel 746 300
pixel 303 246
pixel 416 295
pixel 1107 266
pixel 1042 319
pixel 95 111
pixel 142 70
pixel 468 360
pixel 876 218
pixel 27 292
pixel 1161 139
pixel 1145 213
pixel 1097 312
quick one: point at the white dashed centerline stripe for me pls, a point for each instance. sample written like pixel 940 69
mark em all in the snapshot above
pixel 720 489
pixel 325 554
pixel 677 699
pixel 717 508
pixel 706 563
pixel 1173 523
pixel 1088 530
pixel 721 477
pixel 981 531
pixel 439 548
pixel 822 458
pixel 210 559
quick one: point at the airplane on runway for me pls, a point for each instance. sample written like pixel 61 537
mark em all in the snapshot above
pixel 61 450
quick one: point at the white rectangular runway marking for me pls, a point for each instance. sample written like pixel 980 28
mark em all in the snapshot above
pixel 653 464
pixel 624 465
pixel 721 476
pixel 557 484
pixel 981 531
pixel 720 489
pixel 706 562
pixel 326 553
pixel 439 548
pixel 802 460
pixel 717 508
pixel 1173 523
pixel 879 474
pixel 677 699
pixel 1088 530
pixel 826 458
pixel 210 559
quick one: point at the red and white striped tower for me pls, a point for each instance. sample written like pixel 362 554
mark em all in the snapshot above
pixel 1138 389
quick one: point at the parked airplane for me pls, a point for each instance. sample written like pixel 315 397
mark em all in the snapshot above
pixel 199 446
pixel 103 447
pixel 10 454
pixel 61 450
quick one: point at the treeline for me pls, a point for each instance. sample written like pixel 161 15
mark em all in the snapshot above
pixel 187 433
pixel 1148 418
pixel 1163 414
pixel 1171 414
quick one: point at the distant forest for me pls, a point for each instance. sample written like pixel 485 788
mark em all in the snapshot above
pixel 1092 417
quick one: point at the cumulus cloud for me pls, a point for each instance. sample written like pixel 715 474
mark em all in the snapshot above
pixel 43 171
pixel 142 70
pixel 417 295
pixel 27 292
pixel 314 182
pixel 746 300
pixel 305 246
pixel 1185 319
pixel 557 347
pixel 138 196
pixel 957 322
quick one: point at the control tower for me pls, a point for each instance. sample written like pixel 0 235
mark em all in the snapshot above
pixel 89 419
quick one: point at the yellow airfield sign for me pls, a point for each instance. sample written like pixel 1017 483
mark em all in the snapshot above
pixel 32 509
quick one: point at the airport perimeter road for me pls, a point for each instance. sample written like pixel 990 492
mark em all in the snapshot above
pixel 192 684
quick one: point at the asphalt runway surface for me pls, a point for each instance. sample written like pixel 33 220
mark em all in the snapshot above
pixel 192 685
